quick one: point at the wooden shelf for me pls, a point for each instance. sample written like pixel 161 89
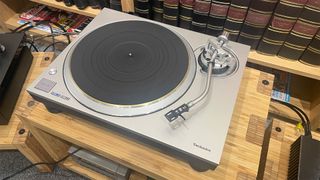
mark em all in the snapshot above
pixel 7 133
pixel 294 67
pixel 60 5
pixel 84 171
pixel 12 23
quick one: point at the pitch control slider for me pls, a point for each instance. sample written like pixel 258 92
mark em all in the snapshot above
pixel 175 116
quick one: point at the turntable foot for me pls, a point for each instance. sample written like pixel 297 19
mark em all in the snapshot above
pixel 52 109
pixel 201 166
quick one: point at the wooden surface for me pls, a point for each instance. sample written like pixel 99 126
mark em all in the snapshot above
pixel 279 150
pixel 29 146
pixel 241 153
pixel 8 132
pixel 292 66
pixel 77 168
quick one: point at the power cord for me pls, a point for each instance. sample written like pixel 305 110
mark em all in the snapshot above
pixel 303 116
pixel 41 163
pixel 22 28
pixel 52 44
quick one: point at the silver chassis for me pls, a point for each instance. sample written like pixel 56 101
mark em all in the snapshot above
pixel 199 141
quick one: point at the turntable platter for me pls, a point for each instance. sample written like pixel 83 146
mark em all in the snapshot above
pixel 130 67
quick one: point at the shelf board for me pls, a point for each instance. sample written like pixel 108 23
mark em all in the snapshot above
pixel 84 171
pixel 60 5
pixel 12 23
pixel 295 67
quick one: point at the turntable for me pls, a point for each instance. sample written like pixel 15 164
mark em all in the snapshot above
pixel 166 87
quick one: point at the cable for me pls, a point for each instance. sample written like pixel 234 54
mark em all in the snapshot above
pixel 57 42
pixel 53 40
pixel 55 34
pixel 37 23
pixel 304 118
pixel 298 111
pixel 63 29
pixel 21 26
pixel 41 163
pixel 32 45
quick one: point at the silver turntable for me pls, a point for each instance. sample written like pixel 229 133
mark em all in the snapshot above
pixel 164 86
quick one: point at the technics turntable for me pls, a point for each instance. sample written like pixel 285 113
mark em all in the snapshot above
pixel 167 87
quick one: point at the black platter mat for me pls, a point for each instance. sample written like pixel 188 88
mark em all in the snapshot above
pixel 129 63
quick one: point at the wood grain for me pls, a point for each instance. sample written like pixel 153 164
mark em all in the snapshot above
pixel 31 149
pixel 239 156
pixel 75 167
pixel 291 66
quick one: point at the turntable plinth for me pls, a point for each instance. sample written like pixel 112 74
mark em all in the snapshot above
pixel 240 158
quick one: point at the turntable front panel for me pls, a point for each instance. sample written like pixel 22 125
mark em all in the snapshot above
pixel 203 133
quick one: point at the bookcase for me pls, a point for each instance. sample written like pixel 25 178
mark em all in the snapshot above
pixel 305 81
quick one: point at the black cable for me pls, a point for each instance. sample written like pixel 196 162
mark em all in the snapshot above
pixel 32 45
pixel 21 26
pixel 53 40
pixel 57 42
pixel 63 29
pixel 41 163
pixel 298 111
pixel 37 23
pixel 304 118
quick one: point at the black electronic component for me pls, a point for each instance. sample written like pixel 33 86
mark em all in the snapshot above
pixel 174 114
pixel 15 61
pixel 304 162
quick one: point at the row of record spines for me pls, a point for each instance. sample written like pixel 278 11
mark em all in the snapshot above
pixel 96 4
pixel 282 28
pixel 291 31
pixel 302 33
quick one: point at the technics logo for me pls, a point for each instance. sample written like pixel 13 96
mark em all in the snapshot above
pixel 59 95
pixel 201 147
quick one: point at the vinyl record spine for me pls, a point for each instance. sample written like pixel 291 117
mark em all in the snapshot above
pixel 142 8
pixel 217 16
pixel 185 15
pixel 311 55
pixel 94 4
pixel 68 2
pixel 170 12
pixel 303 31
pixel 116 5
pixel 256 21
pixel 236 14
pixel 81 4
pixel 200 14
pixel 283 20
pixel 157 10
